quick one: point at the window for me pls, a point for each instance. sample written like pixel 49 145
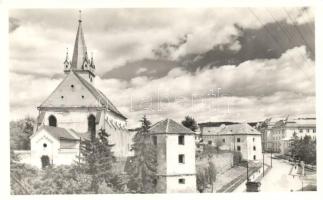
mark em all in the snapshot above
pixel 82 96
pixel 254 157
pixel 91 126
pixel 254 148
pixel 307 130
pixel 314 130
pixel 44 145
pixel 155 140
pixel 62 97
pixel 238 148
pixel 253 139
pixel 209 142
pixel 301 130
pixel 52 121
pixel 223 140
pixel 181 181
pixel 181 140
pixel 238 139
pixel 72 86
pixel 181 158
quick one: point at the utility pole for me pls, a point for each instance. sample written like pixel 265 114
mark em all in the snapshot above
pixel 247 171
pixel 263 164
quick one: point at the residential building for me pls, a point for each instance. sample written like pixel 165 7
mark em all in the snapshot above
pixel 234 137
pixel 175 146
pixel 284 130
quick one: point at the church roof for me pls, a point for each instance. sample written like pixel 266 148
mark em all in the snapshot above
pixel 100 96
pixel 60 133
pixel 169 126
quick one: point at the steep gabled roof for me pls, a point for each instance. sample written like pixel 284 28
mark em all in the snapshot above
pixel 169 126
pixel 99 96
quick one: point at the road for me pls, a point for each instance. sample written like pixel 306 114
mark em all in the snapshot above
pixel 278 179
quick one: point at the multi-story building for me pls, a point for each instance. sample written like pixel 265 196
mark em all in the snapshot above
pixel 175 146
pixel 283 131
pixel 234 137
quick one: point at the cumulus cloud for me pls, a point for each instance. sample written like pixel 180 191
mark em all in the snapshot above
pixel 249 90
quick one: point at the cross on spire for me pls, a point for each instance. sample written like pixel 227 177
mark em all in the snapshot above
pixel 80 15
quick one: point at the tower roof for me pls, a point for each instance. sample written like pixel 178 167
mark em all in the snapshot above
pixel 169 126
pixel 80 50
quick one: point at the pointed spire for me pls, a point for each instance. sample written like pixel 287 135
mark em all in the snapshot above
pixel 80 50
pixel 67 62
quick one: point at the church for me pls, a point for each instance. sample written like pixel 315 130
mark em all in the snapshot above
pixel 76 110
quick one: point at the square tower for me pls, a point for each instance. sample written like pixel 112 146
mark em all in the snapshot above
pixel 175 146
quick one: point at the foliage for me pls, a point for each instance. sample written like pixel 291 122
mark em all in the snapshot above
pixel 237 157
pixel 205 176
pixel 142 171
pixel 304 149
pixel 189 122
pixel 20 131
pixel 97 160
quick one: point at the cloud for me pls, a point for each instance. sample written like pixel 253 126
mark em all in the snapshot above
pixel 120 36
pixel 254 88
pixel 252 85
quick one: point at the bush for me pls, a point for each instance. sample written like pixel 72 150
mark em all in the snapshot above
pixel 237 157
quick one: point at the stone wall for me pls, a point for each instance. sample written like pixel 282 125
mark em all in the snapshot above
pixel 222 161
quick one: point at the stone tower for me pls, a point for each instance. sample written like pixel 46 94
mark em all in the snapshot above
pixel 175 146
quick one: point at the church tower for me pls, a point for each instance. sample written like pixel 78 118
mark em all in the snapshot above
pixel 81 63
pixel 76 110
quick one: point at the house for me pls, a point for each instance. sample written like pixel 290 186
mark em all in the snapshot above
pixel 283 131
pixel 234 137
pixel 175 146
pixel 74 111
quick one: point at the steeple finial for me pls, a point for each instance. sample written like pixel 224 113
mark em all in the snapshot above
pixel 66 54
pixel 80 16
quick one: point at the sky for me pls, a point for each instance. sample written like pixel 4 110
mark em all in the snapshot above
pixel 214 64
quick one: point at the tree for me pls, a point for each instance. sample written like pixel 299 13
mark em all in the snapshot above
pixel 189 122
pixel 303 148
pixel 206 175
pixel 96 160
pixel 20 131
pixel 144 163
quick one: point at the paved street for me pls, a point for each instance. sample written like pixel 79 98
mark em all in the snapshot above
pixel 278 178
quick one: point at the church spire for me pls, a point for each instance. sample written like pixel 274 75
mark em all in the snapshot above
pixel 80 50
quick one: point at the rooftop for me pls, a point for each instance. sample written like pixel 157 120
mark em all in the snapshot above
pixel 169 126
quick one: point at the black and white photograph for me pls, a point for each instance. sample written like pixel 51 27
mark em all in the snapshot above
pixel 150 100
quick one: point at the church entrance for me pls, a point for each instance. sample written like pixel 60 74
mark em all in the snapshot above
pixel 44 161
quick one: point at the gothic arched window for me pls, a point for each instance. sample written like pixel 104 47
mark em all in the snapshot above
pixel 91 126
pixel 52 121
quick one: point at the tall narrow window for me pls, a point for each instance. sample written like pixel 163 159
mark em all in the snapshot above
pixel 238 148
pixel 238 139
pixel 181 158
pixel 52 121
pixel 254 148
pixel 181 140
pixel 91 126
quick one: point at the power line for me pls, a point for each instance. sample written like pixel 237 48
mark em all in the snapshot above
pixel 286 33
pixel 273 38
pixel 297 29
